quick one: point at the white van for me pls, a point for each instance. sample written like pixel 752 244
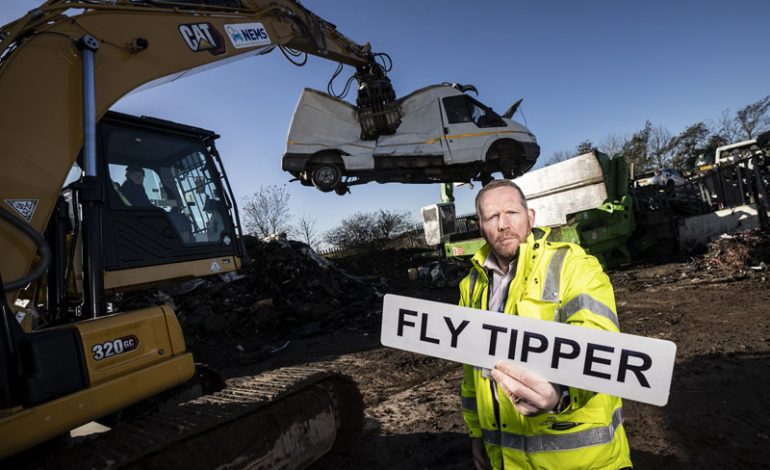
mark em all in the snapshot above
pixel 445 135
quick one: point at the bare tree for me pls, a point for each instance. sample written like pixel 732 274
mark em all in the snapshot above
pixel 306 230
pixel 559 156
pixel 691 144
pixel 266 212
pixel 353 231
pixel 727 127
pixel 613 144
pixel 661 146
pixel 366 229
pixel 390 223
pixel 584 147
pixel 636 149
pixel 754 118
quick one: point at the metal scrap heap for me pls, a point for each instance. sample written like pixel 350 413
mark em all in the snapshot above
pixel 743 252
pixel 287 292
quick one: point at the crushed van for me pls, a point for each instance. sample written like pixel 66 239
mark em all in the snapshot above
pixel 444 135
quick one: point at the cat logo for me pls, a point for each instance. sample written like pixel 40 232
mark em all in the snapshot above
pixel 202 37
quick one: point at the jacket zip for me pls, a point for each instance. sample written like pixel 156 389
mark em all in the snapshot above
pixel 496 406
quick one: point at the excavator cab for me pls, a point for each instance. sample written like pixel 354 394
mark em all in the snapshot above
pixel 166 201
pixel 166 212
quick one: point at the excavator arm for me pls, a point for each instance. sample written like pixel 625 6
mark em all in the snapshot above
pixel 293 25
pixel 62 66
pixel 132 44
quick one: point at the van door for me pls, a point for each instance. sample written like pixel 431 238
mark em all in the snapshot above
pixel 468 126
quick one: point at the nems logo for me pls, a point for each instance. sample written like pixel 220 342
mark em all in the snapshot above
pixel 202 37
pixel 247 35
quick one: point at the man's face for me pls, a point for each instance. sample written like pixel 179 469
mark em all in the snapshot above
pixel 504 221
pixel 136 176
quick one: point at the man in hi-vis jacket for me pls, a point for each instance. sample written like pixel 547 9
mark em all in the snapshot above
pixel 517 419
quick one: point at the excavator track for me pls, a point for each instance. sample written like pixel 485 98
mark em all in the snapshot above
pixel 283 419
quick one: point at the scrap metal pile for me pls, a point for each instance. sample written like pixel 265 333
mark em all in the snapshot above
pixel 287 292
pixel 743 252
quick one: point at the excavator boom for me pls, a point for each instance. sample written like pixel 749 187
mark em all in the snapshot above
pixel 134 44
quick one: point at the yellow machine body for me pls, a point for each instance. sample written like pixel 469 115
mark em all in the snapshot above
pixel 128 357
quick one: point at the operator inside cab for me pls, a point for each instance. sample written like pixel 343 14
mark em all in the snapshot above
pixel 133 187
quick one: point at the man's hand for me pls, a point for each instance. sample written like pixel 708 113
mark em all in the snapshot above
pixel 480 459
pixel 530 394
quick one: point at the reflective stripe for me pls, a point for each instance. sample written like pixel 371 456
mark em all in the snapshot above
pixel 474 275
pixel 555 442
pixel 469 134
pixel 585 301
pixel 553 275
pixel 469 403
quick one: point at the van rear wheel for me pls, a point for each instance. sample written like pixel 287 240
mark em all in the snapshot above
pixel 326 176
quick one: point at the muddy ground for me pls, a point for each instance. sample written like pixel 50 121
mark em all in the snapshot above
pixel 717 416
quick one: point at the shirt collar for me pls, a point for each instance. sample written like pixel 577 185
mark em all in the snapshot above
pixel 491 263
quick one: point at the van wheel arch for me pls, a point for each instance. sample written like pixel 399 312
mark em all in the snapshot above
pixel 505 155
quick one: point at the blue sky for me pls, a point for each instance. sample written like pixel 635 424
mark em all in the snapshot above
pixel 585 70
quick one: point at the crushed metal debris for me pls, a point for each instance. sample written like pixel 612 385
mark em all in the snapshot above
pixel 288 291
pixel 743 251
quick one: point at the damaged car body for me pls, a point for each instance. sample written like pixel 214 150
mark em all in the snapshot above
pixel 444 136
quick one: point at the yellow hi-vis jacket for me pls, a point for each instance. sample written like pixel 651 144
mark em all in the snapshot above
pixel 554 281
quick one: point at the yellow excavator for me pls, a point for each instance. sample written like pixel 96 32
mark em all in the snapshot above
pixel 95 203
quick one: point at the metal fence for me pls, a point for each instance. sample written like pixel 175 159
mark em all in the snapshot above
pixel 742 182
pixel 411 238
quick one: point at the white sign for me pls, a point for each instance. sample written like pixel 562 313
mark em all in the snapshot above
pixel 247 35
pixel 628 366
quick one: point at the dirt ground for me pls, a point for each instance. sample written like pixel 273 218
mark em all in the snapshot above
pixel 717 416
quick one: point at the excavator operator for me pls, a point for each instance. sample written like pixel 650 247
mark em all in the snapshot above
pixel 133 188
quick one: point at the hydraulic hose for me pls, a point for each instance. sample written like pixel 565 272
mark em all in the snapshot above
pixel 42 248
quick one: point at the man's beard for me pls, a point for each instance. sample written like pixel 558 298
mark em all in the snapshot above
pixel 507 249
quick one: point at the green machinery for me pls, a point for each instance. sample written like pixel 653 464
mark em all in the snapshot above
pixel 603 230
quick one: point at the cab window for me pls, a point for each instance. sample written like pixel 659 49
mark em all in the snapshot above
pixel 456 109
pixel 165 173
pixel 463 108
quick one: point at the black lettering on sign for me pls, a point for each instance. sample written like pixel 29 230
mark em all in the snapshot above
pixel 455 331
pixel 512 344
pixel 558 343
pixel 591 358
pixel 494 330
pixel 636 369
pixel 424 331
pixel 526 346
pixel 402 322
